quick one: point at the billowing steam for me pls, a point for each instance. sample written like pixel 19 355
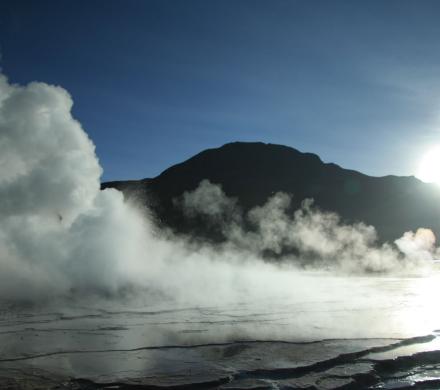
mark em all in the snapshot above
pixel 58 231
pixel 310 238
pixel 61 235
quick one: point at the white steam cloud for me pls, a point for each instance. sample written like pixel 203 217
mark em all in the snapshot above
pixel 61 235
pixel 58 231
pixel 310 238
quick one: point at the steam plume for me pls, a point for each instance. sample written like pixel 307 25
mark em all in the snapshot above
pixel 61 235
pixel 58 231
pixel 310 238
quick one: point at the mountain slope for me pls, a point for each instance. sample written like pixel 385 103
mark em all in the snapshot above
pixel 252 172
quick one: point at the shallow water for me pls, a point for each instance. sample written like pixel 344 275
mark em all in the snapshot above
pixel 331 332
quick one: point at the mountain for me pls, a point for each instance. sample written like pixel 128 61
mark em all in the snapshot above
pixel 252 172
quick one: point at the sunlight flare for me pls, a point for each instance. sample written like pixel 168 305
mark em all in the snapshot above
pixel 429 167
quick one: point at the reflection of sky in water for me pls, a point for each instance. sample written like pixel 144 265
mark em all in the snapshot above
pixel 119 336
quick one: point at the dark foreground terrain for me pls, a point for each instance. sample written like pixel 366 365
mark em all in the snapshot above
pixel 327 364
pixel 346 340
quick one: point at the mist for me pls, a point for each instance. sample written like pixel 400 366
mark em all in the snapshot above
pixel 61 236
pixel 309 238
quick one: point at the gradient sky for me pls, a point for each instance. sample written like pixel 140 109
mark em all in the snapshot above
pixel 154 82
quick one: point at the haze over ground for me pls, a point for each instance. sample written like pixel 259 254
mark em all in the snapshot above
pixel 97 290
pixel 62 236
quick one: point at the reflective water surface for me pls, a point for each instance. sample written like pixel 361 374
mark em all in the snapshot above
pixel 377 332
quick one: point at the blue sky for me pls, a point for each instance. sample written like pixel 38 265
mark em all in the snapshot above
pixel 154 82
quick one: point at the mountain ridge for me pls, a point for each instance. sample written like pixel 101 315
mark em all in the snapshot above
pixel 252 171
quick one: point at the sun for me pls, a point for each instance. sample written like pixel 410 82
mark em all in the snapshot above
pixel 429 167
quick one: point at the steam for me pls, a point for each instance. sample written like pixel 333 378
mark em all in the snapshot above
pixel 208 200
pixel 42 148
pixel 60 235
pixel 310 238
pixel 58 231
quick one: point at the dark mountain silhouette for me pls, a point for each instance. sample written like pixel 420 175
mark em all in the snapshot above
pixel 252 172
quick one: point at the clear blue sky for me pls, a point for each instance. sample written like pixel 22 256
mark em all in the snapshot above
pixel 154 82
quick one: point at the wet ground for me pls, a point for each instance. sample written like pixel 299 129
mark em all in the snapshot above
pixel 344 334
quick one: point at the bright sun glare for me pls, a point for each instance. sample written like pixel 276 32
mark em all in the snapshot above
pixel 429 168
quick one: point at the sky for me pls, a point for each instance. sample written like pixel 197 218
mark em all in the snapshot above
pixel 157 81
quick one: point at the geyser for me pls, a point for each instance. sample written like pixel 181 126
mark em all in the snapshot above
pixel 61 235
pixel 58 231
